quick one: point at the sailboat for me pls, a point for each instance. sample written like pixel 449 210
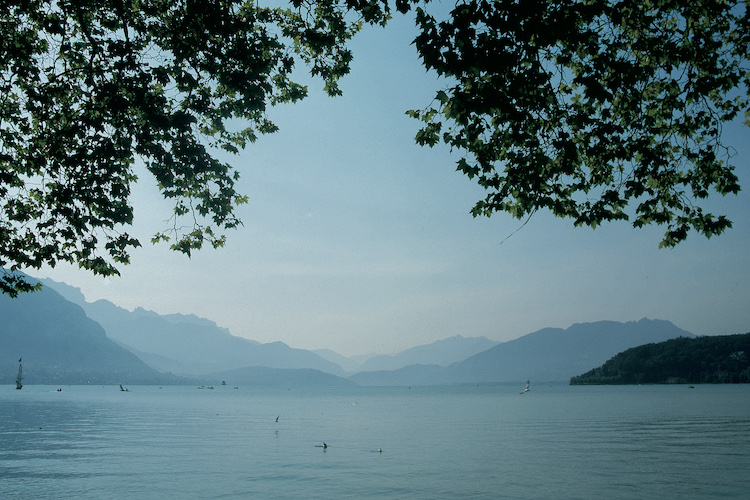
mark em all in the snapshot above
pixel 20 375
pixel 527 387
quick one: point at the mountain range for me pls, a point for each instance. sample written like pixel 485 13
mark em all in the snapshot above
pixel 187 344
pixel 59 344
pixel 67 337
pixel 443 352
pixel 550 354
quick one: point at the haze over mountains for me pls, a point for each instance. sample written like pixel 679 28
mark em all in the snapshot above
pixel 550 354
pixel 65 340
pixel 443 352
pixel 60 345
pixel 188 345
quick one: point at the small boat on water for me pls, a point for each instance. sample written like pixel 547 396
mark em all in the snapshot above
pixel 19 377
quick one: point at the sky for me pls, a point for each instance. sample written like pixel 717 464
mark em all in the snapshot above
pixel 355 239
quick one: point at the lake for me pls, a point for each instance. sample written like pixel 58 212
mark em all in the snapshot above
pixel 555 441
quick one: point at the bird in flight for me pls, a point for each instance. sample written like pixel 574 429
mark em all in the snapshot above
pixel 527 387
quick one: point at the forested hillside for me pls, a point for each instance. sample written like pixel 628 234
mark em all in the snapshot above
pixel 720 359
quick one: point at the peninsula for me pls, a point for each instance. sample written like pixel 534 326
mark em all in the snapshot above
pixel 700 360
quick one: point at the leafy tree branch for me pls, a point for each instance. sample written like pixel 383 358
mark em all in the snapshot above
pixel 88 86
pixel 597 110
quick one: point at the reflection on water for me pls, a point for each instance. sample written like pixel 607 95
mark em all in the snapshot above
pixel 480 442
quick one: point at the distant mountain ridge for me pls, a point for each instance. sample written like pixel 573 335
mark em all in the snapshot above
pixel 59 344
pixel 196 347
pixel 443 353
pixel 349 365
pixel 550 354
pixel 187 344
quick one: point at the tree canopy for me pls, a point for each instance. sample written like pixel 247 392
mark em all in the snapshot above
pixel 86 86
pixel 585 108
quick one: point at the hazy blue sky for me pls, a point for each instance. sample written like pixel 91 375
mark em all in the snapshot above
pixel 360 241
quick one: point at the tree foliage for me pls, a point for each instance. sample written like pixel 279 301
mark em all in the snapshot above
pixel 597 110
pixel 88 86
pixel 720 359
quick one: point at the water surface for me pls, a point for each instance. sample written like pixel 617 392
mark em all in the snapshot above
pixel 457 442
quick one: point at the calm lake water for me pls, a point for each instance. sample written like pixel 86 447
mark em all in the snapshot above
pixel 459 442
